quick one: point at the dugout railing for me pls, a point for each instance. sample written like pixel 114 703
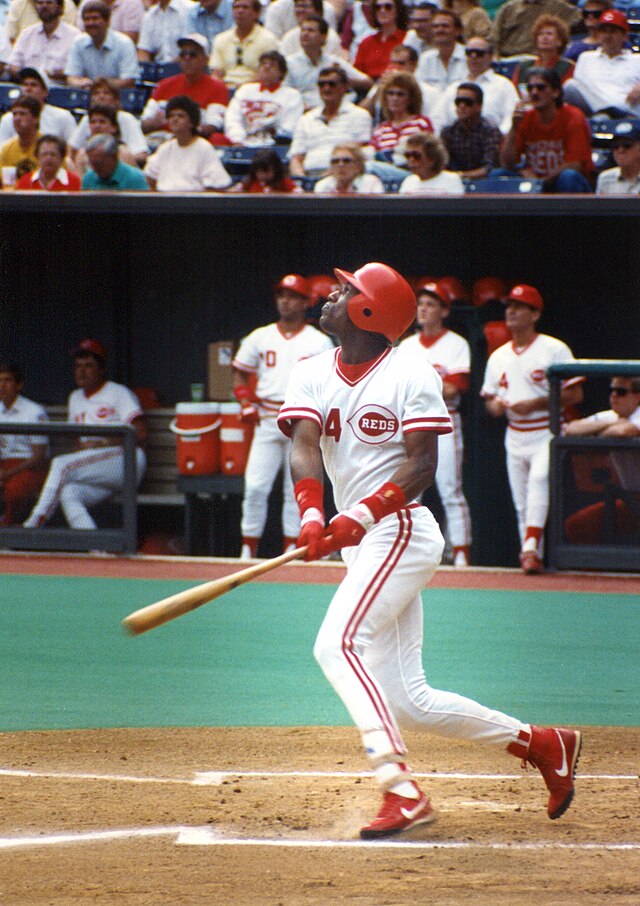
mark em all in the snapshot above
pixel 597 477
pixel 117 529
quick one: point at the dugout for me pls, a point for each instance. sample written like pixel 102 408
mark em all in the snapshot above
pixel 157 278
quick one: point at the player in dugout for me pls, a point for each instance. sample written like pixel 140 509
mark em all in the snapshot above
pixel 374 425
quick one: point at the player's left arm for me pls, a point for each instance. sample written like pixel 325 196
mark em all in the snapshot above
pixel 307 474
pixel 417 472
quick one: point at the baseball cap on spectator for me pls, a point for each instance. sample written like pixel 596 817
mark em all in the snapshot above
pixel 614 17
pixel 629 129
pixel 194 38
pixel 91 347
pixel 528 295
pixel 30 72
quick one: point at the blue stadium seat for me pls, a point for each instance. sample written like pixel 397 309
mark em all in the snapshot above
pixel 164 70
pixel 133 99
pixel 74 99
pixel 238 160
pixel 148 72
pixel 9 91
pixel 602 159
pixel 601 130
pixel 393 185
pixel 501 185
pixel 505 67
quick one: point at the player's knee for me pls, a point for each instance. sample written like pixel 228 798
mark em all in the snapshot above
pixel 328 653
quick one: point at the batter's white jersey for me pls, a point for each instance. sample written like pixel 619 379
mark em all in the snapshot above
pixel 364 421
pixel 449 354
pixel 268 353
pixel 514 375
pixel 112 404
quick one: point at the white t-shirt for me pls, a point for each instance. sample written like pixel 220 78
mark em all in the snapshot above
pixel 130 133
pixel 193 168
pixel 364 421
pixel 365 184
pixel 445 183
pixel 18 446
pixel 53 121
pixel 269 354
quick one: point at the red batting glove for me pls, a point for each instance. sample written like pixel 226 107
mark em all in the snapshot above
pixel 346 529
pixel 311 529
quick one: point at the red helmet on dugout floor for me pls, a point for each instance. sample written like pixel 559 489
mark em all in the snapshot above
pixel 454 290
pixel 488 289
pixel 385 303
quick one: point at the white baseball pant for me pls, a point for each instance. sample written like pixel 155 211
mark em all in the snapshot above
pixel 449 484
pixel 79 480
pixel 269 453
pixel 528 472
pixel 370 643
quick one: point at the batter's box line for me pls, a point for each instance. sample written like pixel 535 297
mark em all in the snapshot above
pixel 217 778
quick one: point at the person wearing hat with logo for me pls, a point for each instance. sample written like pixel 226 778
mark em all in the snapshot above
pixel 95 470
pixel 268 354
pixel 607 79
pixel 53 120
pixel 210 94
pixel 516 387
pixel 623 179
pixel 46 45
pixel 374 424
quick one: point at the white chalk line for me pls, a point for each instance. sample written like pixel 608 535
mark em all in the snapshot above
pixel 206 836
pixel 217 778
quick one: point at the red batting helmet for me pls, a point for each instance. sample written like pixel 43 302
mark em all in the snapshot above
pixel 296 284
pixel 386 303
pixel 454 290
pixel 321 286
pixel 496 334
pixel 488 289
pixel 526 294
pixel 91 347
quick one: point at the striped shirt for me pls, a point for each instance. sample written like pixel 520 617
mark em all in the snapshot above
pixel 386 136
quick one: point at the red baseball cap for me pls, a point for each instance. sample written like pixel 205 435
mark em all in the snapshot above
pixel 614 17
pixel 296 284
pixel 528 295
pixel 93 347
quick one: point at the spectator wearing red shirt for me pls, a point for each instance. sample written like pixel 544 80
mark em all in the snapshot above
pixel 390 20
pixel 50 175
pixel 554 137
pixel 209 93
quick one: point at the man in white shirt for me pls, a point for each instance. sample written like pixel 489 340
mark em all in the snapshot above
pixel 419 35
pixel 304 66
pixel 608 77
pixel 446 61
pixel 46 45
pixel 623 179
pixel 334 121
pixel 499 93
pixel 280 16
pixel 162 25
pixel 23 457
pixel 53 120
pixel 303 9
pixel 261 112
pixel 126 16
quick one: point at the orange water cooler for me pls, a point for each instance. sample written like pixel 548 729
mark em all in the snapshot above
pixel 235 440
pixel 197 428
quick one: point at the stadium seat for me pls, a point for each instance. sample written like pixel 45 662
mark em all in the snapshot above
pixel 238 160
pixel 505 68
pixel 393 185
pixel 496 334
pixel 503 185
pixel 133 99
pixel 602 127
pixel 148 72
pixel 164 70
pixel 74 99
pixel 9 91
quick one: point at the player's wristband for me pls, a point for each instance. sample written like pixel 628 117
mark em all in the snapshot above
pixel 243 394
pixel 312 514
pixel 389 498
pixel 308 493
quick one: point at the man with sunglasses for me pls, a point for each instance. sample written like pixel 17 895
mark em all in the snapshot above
pixel 236 52
pixel 624 178
pixel 553 137
pixel 499 93
pixel 607 78
pixel 211 95
pixel 472 141
pixel 588 40
pixel 334 121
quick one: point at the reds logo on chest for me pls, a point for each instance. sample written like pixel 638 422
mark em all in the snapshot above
pixel 105 412
pixel 373 424
pixel 538 376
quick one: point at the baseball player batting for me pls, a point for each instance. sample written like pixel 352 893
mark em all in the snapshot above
pixel 95 470
pixel 450 355
pixel 516 386
pixel 374 424
pixel 270 353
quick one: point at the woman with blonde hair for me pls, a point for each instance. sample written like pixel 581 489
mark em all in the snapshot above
pixel 347 174
pixel 427 158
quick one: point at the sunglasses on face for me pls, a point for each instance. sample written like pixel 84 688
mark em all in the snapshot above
pixel 619 391
pixel 327 83
pixel 591 14
pixel 384 6
pixel 466 102
pixel 188 54
pixel 396 92
pixel 625 145
pixel 342 160
pixel 536 86
pixel 475 52
pixel 413 155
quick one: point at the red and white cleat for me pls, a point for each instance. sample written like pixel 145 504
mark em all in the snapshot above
pixel 555 753
pixel 398 813
pixel 531 563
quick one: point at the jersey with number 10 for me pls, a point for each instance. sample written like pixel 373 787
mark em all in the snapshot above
pixel 364 421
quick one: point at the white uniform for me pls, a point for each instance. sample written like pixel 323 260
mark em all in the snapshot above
pixel 269 354
pixel 86 477
pixel 370 642
pixel 514 375
pixel 450 355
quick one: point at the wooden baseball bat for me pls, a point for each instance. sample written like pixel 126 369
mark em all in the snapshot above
pixel 174 606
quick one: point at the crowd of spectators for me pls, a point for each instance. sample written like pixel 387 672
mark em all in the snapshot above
pixel 511 90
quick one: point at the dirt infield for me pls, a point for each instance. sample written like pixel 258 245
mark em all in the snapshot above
pixel 136 817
